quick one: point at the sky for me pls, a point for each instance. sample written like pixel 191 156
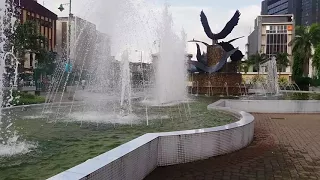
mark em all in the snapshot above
pixel 118 18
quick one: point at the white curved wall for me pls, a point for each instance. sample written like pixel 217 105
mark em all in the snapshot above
pixel 275 106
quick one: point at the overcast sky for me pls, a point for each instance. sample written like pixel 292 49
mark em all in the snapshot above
pixel 121 18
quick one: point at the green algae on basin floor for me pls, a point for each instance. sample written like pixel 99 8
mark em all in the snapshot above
pixel 61 147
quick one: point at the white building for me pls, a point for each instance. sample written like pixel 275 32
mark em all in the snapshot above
pixel 272 34
pixel 82 41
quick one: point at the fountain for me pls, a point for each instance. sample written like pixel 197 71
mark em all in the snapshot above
pixel 10 141
pixel 272 78
pixel 108 112
pixel 170 67
pixel 125 99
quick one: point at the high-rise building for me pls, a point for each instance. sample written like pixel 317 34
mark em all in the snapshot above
pixel 310 12
pixel 277 7
pixel 306 12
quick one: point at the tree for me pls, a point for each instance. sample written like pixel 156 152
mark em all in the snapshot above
pixel 282 61
pixel 256 60
pixel 244 66
pixel 316 60
pixel 303 42
pixel 315 34
pixel 28 39
pixel 297 67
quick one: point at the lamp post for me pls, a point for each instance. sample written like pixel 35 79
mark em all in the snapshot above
pixel 140 57
pixel 61 8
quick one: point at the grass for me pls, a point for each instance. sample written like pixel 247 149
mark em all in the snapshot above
pixel 23 98
pixel 302 96
pixel 61 147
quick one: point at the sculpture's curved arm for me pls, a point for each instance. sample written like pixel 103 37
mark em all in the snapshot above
pixel 235 39
pixel 206 25
pixel 198 52
pixel 196 41
pixel 218 66
pixel 229 27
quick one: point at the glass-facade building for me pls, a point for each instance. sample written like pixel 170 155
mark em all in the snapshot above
pixel 306 12
pixel 280 7
pixel 310 12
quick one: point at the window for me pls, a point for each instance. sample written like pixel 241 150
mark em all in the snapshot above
pixel 31 60
pixel 276 40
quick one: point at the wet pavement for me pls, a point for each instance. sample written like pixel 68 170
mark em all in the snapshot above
pixel 285 146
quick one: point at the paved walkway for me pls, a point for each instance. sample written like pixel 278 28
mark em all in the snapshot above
pixel 284 147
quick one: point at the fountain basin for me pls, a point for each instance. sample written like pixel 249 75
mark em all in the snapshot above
pixel 64 143
pixel 137 158
pixel 217 84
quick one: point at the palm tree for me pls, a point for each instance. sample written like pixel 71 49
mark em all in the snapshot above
pixel 244 66
pixel 316 60
pixel 282 61
pixel 305 39
pixel 256 60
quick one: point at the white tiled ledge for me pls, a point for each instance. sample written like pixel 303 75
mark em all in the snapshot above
pixel 137 158
pixel 21 107
pixel 275 106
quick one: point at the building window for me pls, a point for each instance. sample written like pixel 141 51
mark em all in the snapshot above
pixel 277 40
pixel 31 60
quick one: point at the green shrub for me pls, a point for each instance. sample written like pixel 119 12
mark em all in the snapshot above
pixel 315 82
pixel 258 79
pixel 22 98
pixel 315 96
pixel 298 96
pixel 283 81
pixel 303 82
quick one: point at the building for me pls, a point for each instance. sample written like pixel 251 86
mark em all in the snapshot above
pixel 310 12
pixel 32 10
pixel 82 41
pixel 281 7
pixel 306 12
pixel 272 34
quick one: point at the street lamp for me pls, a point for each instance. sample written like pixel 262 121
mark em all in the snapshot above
pixel 61 8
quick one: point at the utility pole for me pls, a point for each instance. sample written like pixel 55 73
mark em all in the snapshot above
pixel 61 8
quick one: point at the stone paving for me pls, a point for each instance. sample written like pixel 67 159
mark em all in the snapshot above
pixel 285 146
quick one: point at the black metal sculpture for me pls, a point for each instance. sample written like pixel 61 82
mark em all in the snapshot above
pixel 235 54
pixel 225 31
pixel 202 58
pixel 201 64
pixel 227 46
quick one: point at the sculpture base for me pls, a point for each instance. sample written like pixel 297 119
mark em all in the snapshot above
pixel 217 84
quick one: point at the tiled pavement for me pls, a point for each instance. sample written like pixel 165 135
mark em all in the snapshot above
pixel 284 147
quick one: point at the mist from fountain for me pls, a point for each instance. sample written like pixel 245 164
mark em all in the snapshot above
pixel 125 98
pixel 171 71
pixel 10 141
pixel 272 78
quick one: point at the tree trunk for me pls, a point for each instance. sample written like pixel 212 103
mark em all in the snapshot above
pixel 279 71
pixel 306 68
